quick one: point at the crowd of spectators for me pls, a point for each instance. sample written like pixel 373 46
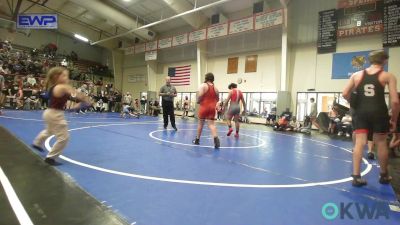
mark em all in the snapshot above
pixel 23 73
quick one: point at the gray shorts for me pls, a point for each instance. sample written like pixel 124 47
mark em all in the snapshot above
pixel 234 110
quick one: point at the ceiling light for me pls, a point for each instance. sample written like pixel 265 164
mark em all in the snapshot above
pixel 126 0
pixel 82 38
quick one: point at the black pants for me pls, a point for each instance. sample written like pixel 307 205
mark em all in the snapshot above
pixel 110 106
pixel 168 110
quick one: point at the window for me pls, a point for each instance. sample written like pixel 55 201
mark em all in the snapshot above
pixel 302 102
pixel 193 100
pixel 268 101
pixel 324 102
pixel 254 104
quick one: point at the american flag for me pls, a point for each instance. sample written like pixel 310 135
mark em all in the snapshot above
pixel 180 75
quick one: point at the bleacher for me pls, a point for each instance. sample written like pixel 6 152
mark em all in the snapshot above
pixel 84 65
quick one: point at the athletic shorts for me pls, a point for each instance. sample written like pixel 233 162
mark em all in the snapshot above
pixel 371 122
pixel 207 113
pixel 234 110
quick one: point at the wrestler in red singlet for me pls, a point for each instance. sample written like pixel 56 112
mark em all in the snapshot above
pixel 207 98
pixel 234 99
pixel 208 103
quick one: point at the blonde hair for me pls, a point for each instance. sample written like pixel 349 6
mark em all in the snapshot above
pixel 378 57
pixel 52 76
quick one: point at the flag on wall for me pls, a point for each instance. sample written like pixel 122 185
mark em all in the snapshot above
pixel 180 75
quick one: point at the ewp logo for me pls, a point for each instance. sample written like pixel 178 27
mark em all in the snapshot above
pixel 37 21
pixel 355 210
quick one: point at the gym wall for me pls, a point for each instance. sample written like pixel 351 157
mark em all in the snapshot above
pixel 264 80
pixel 307 69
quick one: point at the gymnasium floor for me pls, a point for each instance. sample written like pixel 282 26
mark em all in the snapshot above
pixel 153 176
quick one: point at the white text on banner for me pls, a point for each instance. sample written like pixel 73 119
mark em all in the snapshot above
pixel 218 30
pixel 150 55
pixel 242 25
pixel 180 39
pixel 165 43
pixel 268 19
pixel 197 35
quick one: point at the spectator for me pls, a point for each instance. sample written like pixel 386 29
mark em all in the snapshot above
pixel 136 105
pixel 272 116
pixel 220 110
pixel 314 112
pixel 2 96
pixel 306 129
pixel 31 81
pixel 151 104
pixel 118 100
pixel 294 125
pixel 111 102
pixel 185 107
pixel 334 120
pixel 43 98
pixel 345 126
pixel 100 105
pixel 282 124
pixel 127 99
pixel 287 114
pixel 84 91
pixel 156 108
pixel 19 97
pixel 143 103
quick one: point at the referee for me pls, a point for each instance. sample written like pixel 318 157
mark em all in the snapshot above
pixel 168 92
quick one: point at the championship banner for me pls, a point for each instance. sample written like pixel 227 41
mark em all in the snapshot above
pixel 150 55
pixel 165 43
pixel 359 17
pixel 151 46
pixel 218 30
pixel 268 19
pixel 345 64
pixel 198 35
pixel 180 39
pixel 241 25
